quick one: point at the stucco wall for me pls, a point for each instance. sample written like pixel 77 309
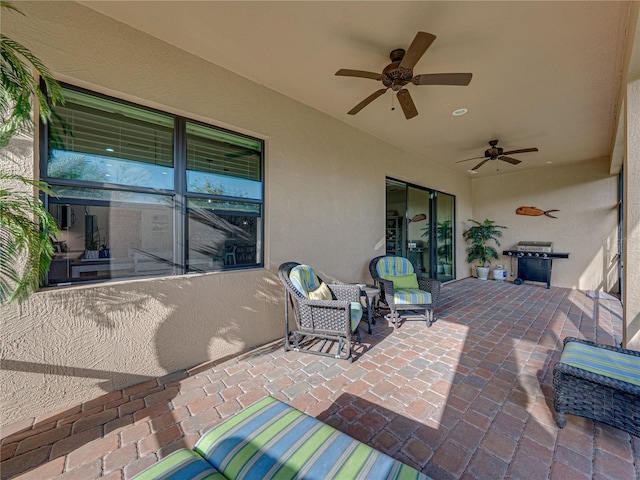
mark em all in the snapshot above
pixel 325 205
pixel 632 217
pixel 586 227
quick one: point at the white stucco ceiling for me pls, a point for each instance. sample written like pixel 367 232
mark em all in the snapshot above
pixel 545 74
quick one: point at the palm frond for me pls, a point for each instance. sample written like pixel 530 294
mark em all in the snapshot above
pixel 26 249
pixel 26 227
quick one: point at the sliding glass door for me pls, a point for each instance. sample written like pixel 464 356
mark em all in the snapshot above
pixel 420 226
pixel 444 206
pixel 418 230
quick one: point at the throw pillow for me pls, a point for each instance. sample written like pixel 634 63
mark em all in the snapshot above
pixel 405 281
pixel 321 293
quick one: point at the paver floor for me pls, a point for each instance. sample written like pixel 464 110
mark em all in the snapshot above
pixel 468 398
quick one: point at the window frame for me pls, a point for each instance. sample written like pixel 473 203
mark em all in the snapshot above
pixel 179 193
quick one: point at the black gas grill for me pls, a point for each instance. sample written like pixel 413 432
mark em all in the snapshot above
pixel 534 261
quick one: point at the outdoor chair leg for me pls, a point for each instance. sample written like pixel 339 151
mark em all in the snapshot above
pixel 560 420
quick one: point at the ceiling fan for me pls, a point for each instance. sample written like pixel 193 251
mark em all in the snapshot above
pixel 497 153
pixel 400 72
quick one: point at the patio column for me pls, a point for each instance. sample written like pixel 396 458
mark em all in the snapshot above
pixel 631 251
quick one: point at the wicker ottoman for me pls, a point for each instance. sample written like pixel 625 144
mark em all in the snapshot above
pixel 599 382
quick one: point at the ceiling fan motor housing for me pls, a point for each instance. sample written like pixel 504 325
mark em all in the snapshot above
pixel 493 152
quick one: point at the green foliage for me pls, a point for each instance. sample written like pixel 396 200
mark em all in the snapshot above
pixel 26 227
pixel 26 250
pixel 479 236
pixel 20 86
pixel 445 235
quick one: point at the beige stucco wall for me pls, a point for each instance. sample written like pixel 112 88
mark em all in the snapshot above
pixel 632 217
pixel 325 205
pixel 586 227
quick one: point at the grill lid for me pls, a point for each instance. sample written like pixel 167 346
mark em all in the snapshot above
pixel 543 247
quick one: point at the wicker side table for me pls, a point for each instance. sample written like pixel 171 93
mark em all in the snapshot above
pixel 369 293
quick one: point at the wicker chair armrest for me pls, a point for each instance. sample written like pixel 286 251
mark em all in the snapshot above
pixel 387 287
pixel 338 304
pixel 565 369
pixel 613 348
pixel 430 285
pixel 350 293
pixel 336 312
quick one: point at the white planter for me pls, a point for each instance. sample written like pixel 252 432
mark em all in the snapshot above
pixel 483 273
pixel 447 269
pixel 91 254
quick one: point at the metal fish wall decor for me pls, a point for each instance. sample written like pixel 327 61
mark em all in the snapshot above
pixel 534 212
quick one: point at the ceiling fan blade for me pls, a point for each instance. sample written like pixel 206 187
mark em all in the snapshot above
pixel 421 42
pixel 343 72
pixel 522 150
pixel 366 101
pixel 462 79
pixel 512 161
pixel 467 159
pixel 408 107
pixel 480 164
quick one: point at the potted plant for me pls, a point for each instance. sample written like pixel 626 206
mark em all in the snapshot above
pixel 479 236
pixel 92 252
pixel 445 234
pixel 105 251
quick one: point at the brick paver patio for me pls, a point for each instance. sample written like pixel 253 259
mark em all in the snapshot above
pixel 468 398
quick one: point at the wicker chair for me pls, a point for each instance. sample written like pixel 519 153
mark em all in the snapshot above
pixel 384 268
pixel 334 320
pixel 599 382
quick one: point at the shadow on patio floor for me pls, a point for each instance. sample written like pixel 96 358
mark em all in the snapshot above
pixel 467 398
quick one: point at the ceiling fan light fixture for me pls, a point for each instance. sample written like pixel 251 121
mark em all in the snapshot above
pixel 459 111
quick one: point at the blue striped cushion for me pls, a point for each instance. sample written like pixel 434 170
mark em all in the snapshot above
pixel 304 279
pixel 181 464
pixel 393 266
pixel 270 440
pixel 356 314
pixel 602 362
pixel 411 296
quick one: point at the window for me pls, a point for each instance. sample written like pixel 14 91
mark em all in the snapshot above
pixel 137 192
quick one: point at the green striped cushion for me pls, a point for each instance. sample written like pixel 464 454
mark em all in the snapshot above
pixel 411 296
pixel 356 314
pixel 271 440
pixel 393 267
pixel 602 362
pixel 180 465
pixel 304 279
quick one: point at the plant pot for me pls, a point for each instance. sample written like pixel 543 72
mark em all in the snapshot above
pixel 440 268
pixel 447 269
pixel 91 254
pixel 483 273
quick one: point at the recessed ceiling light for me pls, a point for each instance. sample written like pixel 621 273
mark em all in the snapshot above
pixel 549 162
pixel 472 171
pixel 458 112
